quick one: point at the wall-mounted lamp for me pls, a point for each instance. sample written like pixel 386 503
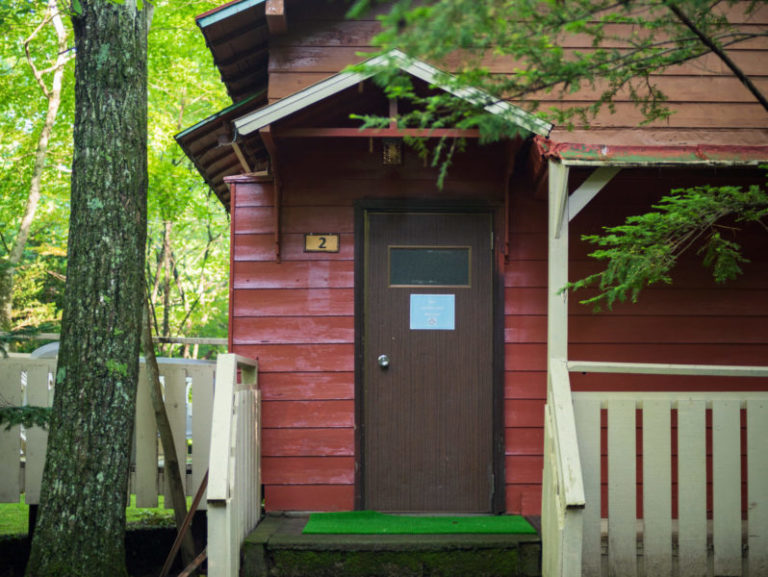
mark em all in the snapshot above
pixel 392 151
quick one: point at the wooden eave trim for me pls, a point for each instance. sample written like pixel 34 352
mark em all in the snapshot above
pixel 224 12
pixel 276 21
pixel 267 138
pixel 376 133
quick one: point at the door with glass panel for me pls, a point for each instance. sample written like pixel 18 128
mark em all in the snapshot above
pixel 427 366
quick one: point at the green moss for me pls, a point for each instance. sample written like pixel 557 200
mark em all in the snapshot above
pixel 456 563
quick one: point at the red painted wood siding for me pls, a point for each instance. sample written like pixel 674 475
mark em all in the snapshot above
pixel 297 315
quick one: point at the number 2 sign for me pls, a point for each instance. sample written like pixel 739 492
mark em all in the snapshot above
pixel 320 242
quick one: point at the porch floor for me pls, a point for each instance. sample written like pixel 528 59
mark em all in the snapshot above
pixel 277 548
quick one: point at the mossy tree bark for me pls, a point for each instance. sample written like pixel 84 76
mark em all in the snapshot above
pixel 81 523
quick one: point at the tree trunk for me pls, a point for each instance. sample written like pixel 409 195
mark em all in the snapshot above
pixel 33 197
pixel 81 522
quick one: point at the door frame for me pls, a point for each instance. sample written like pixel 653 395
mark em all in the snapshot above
pixel 498 499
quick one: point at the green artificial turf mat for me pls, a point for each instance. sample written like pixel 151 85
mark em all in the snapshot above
pixel 373 523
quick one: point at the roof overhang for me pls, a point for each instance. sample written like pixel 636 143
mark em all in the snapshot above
pixel 579 154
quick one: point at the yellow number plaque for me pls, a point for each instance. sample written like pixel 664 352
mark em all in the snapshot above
pixel 316 242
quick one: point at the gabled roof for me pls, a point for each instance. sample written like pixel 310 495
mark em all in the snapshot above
pixel 228 142
pixel 335 84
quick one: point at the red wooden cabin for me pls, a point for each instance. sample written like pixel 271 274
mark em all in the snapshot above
pixel 401 329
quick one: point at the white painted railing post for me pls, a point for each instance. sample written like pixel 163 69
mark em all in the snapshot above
pixel 234 485
pixel 704 547
pixel 563 491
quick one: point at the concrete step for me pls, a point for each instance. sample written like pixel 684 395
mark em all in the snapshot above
pixel 277 548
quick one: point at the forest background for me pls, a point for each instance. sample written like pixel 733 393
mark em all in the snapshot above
pixel 188 240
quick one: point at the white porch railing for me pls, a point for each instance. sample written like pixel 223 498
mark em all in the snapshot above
pixel 188 399
pixel 673 440
pixel 234 484
pixel 562 490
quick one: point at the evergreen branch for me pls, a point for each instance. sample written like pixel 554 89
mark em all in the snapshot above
pixel 707 41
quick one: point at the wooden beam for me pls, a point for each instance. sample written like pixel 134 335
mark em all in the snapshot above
pixel 557 262
pixel 588 190
pixel 269 143
pixel 276 20
pixel 667 369
pixel 376 133
pixel 241 157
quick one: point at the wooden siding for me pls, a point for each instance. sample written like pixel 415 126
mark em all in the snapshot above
pixel 710 106
pixel 297 315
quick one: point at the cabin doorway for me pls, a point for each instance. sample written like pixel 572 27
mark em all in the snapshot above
pixel 427 362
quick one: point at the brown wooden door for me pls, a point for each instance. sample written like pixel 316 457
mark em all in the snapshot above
pixel 428 415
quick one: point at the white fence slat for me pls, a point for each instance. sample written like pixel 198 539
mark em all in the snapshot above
pixel 757 480
pixel 145 485
pixel 232 509
pixel 38 394
pixel 551 558
pixel 692 488
pixel 622 495
pixel 726 487
pixel 657 488
pixel 10 440
pixel 587 414
pixel 175 386
pixel 202 408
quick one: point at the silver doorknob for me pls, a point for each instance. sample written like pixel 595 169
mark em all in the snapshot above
pixel 383 361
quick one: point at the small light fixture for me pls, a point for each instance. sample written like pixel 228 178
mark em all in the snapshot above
pixel 392 151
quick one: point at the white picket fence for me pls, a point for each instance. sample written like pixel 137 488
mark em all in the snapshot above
pixel 234 484
pixel 582 539
pixel 188 388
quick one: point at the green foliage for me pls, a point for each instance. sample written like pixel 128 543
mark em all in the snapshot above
pixel 643 251
pixel 626 45
pixel 184 88
pixel 27 416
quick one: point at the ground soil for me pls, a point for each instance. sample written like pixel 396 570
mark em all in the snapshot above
pixel 146 550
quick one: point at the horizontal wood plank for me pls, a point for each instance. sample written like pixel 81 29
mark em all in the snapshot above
pixel 525 385
pixel 307 414
pixel 261 247
pixel 524 469
pixel 294 330
pixel 706 303
pixel 309 497
pixel 523 441
pixel 249 194
pixel 307 386
pixel 524 413
pixel 293 302
pixel 308 470
pixel 335 442
pixel 323 274
pixel 301 358
pixel 523 499
pixel 297 219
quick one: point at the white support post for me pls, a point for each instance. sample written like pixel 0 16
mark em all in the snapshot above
pixel 557 302
pixel 588 190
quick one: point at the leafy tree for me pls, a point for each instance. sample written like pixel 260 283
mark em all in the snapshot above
pixel 187 244
pixel 629 43
pixel 81 525
pixel 35 71
pixel 184 88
